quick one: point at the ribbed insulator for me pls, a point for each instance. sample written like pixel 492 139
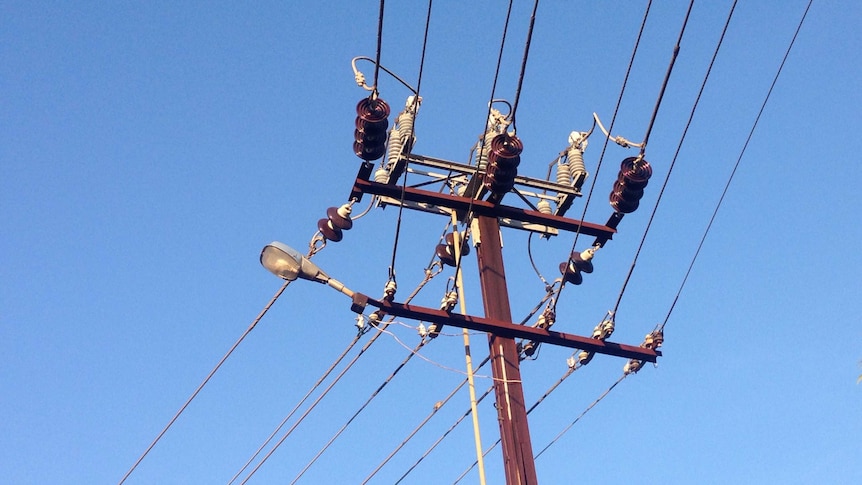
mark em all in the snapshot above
pixel 405 123
pixel 381 176
pixel 577 169
pixel 635 172
pixel 564 175
pixel 369 137
pixel 482 157
pixel 396 143
pixel 544 207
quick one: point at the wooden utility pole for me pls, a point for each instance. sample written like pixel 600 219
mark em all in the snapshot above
pixel 505 361
pixel 511 409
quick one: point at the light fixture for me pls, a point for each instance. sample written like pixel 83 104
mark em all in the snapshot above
pixel 289 264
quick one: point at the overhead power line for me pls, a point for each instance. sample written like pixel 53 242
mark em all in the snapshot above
pixel 207 379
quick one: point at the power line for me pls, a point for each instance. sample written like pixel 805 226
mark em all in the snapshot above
pixel 208 377
pixel 428 276
pixel 297 406
pixel 591 406
pixel 444 435
pixel 606 139
pixel 361 408
pixel 738 160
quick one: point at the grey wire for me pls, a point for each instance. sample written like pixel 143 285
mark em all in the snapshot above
pixel 208 377
pixel 445 434
pixel 295 408
pixel 374 394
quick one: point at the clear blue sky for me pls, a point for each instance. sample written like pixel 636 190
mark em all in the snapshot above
pixel 148 150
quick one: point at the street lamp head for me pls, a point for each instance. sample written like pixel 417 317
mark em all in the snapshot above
pixel 289 264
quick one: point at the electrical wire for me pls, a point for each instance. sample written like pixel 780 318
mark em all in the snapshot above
pixel 591 406
pixel 736 165
pixel 297 406
pixel 428 276
pixel 524 61
pixel 676 154
pixel 445 434
pixel 361 408
pixel 207 379
pixel 666 79
pixel 379 45
pixel 409 138
pixel 437 406
pixel 605 144
pixel 547 393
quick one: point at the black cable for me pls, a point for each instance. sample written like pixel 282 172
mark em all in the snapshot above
pixel 524 60
pixel 410 436
pixel 410 143
pixel 208 377
pixel 666 78
pixel 736 165
pixel 591 406
pixel 568 372
pixel 295 408
pixel 682 138
pixel 374 394
pixel 428 276
pixel 605 144
pixel 445 434
pixel 379 45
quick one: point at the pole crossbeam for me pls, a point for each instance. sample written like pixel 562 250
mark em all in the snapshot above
pixel 505 329
pixel 480 208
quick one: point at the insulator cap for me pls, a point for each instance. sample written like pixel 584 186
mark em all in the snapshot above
pixel 503 161
pixel 571 273
pixel 337 220
pixel 331 233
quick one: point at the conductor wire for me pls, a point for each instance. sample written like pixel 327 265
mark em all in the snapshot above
pixel 379 44
pixel 295 408
pixel 679 146
pixel 736 165
pixel 605 144
pixel 361 408
pixel 591 406
pixel 428 276
pixel 524 61
pixel 207 379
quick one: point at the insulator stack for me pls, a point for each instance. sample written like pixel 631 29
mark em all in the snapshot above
pixel 564 175
pixel 602 331
pixel 578 263
pixel 634 175
pixel 446 252
pixel 484 150
pixel 401 135
pixel 544 207
pixel 381 175
pixel 529 349
pixel 389 290
pixel 503 164
pixel 337 220
pixel 371 124
pixel 575 158
pixel 653 340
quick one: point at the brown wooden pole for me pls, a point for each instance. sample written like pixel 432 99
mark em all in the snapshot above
pixel 511 409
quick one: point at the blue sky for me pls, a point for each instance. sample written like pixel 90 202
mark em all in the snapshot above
pixel 149 150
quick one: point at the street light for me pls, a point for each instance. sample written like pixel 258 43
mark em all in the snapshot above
pixel 289 264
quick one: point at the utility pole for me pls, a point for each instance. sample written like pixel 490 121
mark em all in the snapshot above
pixel 505 357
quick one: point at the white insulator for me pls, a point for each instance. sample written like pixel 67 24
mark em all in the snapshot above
pixel 381 176
pixel 482 158
pixel 448 302
pixel 405 123
pixel 577 169
pixel 389 290
pixel 396 143
pixel 607 328
pixel 632 367
pixel 544 207
pixel 585 357
pixel 571 362
pixel 345 210
pixel 564 174
pixel 360 322
pixel 422 330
